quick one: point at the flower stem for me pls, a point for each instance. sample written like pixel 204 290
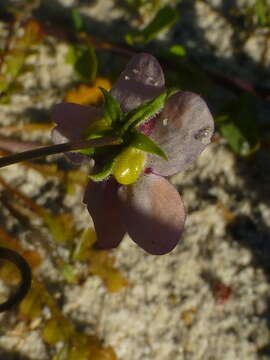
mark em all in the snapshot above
pixel 59 148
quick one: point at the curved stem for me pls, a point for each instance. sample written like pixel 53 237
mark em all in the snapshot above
pixel 59 148
pixel 26 278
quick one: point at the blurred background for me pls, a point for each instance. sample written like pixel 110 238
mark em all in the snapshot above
pixel 209 298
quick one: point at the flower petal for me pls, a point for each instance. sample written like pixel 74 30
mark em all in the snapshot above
pixel 183 129
pixel 103 205
pixel 71 122
pixel 153 213
pixel 58 138
pixel 73 119
pixel 141 81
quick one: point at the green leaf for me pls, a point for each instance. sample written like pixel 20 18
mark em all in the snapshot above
pixel 237 123
pixel 69 273
pixel 15 63
pixel 87 239
pixel 261 12
pixel 142 142
pixel 112 110
pixel 60 226
pixel 164 18
pixel 71 56
pixel 105 171
pixel 144 111
pixel 84 60
pixel 89 151
pixel 77 20
pixel 86 63
pixel 177 50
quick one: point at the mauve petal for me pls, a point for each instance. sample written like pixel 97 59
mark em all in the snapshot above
pixel 75 157
pixel 153 212
pixel 183 129
pixel 71 122
pixel 103 205
pixel 73 119
pixel 141 81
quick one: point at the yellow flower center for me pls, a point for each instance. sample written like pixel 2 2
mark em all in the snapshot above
pixel 129 165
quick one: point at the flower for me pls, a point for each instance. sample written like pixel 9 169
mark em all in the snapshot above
pixel 150 209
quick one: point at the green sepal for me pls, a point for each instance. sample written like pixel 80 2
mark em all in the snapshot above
pixel 145 143
pixel 164 19
pixel 96 129
pixel 105 171
pixel 89 151
pixel 144 112
pixel 172 90
pixel 112 110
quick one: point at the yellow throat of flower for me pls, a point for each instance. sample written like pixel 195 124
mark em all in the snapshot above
pixel 129 165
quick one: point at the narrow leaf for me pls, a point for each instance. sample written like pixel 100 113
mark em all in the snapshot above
pixel 164 18
pixel 237 123
pixel 144 143
pixel 177 50
pixel 84 60
pixel 262 12
pixel 144 112
pixel 101 263
pixel 89 151
pixel 77 20
pixel 112 110
pixel 105 172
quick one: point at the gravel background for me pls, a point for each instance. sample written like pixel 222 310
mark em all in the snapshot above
pixel 172 309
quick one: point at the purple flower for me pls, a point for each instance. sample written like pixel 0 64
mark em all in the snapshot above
pixel 150 210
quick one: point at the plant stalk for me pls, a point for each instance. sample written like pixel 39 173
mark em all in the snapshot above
pixel 59 148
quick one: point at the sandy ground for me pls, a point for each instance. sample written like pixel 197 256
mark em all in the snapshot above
pixel 173 308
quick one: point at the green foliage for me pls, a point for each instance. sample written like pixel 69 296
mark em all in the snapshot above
pixel 84 60
pixel 130 136
pixel 143 142
pixel 82 56
pixel 112 110
pixel 144 112
pixel 101 263
pixel 104 172
pixel 164 19
pixel 237 123
pixel 262 12
pixel 77 20
pixel 14 59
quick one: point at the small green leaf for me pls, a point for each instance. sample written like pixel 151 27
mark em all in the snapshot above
pixel 237 123
pixel 71 56
pixel 89 151
pixel 87 239
pixel 69 273
pixel 112 110
pixel 177 50
pixel 84 60
pixel 86 63
pixel 15 63
pixel 142 142
pixel 77 20
pixel 164 18
pixel 144 112
pixel 262 12
pixel 105 172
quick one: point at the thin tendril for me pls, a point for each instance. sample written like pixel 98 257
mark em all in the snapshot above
pixel 59 148
pixel 26 278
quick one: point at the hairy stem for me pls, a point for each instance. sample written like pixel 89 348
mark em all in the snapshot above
pixel 59 148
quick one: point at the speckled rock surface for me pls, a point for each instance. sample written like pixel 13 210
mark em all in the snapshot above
pixel 209 298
